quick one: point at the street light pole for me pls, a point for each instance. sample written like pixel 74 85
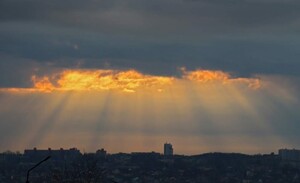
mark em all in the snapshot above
pixel 27 181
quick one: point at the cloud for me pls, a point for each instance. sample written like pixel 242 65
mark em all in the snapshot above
pixel 158 17
pixel 155 37
pixel 205 76
pixel 127 81
pixel 53 48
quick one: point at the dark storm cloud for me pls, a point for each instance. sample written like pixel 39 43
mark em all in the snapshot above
pixel 157 17
pixel 245 37
pixel 15 73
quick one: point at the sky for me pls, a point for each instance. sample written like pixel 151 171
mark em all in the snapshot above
pixel 130 75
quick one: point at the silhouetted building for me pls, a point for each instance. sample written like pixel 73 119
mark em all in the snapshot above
pixel 150 167
pixel 101 153
pixel 168 149
pixel 289 154
pixel 58 155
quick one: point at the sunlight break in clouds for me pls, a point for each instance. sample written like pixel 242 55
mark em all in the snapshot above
pixel 201 110
pixel 205 76
pixel 127 81
pixel 78 80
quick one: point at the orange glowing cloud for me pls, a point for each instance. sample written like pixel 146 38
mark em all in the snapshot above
pixel 127 81
pixel 43 84
pixel 205 76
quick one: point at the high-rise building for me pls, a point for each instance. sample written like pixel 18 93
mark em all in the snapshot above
pixel 168 149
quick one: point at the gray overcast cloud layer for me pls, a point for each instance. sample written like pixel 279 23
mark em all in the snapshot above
pixel 159 17
pixel 245 37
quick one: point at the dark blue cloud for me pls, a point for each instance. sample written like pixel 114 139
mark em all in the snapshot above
pixel 158 18
pixel 157 37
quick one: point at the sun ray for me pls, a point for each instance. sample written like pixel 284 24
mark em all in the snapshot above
pixel 101 119
pixel 50 121
pixel 212 109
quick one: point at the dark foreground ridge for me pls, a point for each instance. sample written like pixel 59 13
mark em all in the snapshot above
pixel 73 167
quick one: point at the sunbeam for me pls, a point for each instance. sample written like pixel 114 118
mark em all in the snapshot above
pixel 128 111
